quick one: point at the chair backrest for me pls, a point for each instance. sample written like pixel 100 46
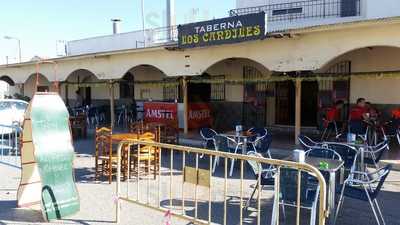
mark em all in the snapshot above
pixel 322 152
pixel 136 127
pixel 347 152
pixel 207 133
pixel 264 144
pixel 260 131
pixel 255 166
pixel 378 150
pixel 306 142
pixel 103 141
pixel 221 143
pixel 357 127
pixel 288 186
pixel 383 173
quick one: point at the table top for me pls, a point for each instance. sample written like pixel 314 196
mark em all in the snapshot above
pixel 132 136
pixel 348 143
pixel 156 124
pixel 241 134
pixel 334 165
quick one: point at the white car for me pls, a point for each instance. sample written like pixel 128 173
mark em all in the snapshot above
pixel 11 113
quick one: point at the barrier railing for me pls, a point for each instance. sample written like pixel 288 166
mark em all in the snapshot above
pixel 181 182
pixel 9 144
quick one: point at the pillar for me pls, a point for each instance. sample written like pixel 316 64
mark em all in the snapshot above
pixel 112 116
pixel 66 94
pixel 298 111
pixel 185 106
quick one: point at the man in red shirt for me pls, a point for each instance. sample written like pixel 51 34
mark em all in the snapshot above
pixel 333 113
pixel 357 115
pixel 359 112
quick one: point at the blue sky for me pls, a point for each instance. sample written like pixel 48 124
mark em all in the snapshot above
pixel 39 24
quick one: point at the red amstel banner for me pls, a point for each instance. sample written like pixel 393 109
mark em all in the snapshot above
pixel 161 112
pixel 199 115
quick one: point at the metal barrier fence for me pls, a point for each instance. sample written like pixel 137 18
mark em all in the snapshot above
pixel 183 184
pixel 9 144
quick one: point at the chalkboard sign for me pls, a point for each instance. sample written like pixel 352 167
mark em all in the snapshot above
pixel 53 155
pixel 222 31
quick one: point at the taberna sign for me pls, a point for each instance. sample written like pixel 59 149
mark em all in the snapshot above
pixel 222 31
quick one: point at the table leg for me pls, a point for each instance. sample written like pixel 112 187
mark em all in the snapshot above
pixel 244 151
pixel 362 159
pixel 331 196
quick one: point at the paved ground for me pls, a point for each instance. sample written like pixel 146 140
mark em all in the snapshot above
pixel 97 199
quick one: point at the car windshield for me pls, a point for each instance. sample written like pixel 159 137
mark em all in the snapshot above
pixel 20 106
pixel 5 106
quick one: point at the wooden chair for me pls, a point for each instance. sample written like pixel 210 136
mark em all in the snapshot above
pixel 170 135
pixel 147 158
pixel 78 126
pixel 105 160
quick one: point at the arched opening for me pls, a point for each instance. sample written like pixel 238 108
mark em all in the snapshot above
pixel 83 88
pixel 6 87
pixel 143 83
pixel 43 84
pixel 234 95
pixel 374 75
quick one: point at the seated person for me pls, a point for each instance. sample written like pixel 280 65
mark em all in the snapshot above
pixel 373 112
pixel 357 115
pixel 333 114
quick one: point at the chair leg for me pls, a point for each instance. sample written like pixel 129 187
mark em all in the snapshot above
pixel 313 213
pixel 216 159
pixel 341 200
pixel 252 195
pixel 379 211
pixel 372 207
pixel 231 169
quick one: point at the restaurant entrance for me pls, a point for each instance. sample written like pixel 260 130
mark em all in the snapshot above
pixel 285 103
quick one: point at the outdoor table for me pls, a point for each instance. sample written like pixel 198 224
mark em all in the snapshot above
pixel 130 136
pixel 359 147
pixel 244 135
pixel 116 138
pixel 335 166
pixel 159 126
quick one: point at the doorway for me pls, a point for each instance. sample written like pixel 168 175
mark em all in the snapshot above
pixel 285 103
pixel 309 103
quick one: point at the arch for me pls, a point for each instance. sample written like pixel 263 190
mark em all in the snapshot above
pixel 232 60
pixel 8 80
pixel 134 83
pixel 82 75
pixel 142 67
pixel 341 56
pixel 30 84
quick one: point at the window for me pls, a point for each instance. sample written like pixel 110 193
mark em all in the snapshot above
pixel 42 88
pixel 278 12
pixel 127 86
pixel 218 88
pixel 170 90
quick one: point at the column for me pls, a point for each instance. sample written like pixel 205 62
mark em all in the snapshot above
pixel 185 106
pixel 112 116
pixel 298 110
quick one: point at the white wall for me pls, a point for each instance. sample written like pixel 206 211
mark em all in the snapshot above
pixel 121 41
pixel 382 8
pixel 375 89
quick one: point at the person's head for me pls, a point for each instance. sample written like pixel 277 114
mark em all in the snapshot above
pixel 361 102
pixel 368 104
pixel 339 104
pixel 77 92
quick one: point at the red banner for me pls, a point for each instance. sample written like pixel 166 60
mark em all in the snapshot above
pixel 161 112
pixel 199 115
